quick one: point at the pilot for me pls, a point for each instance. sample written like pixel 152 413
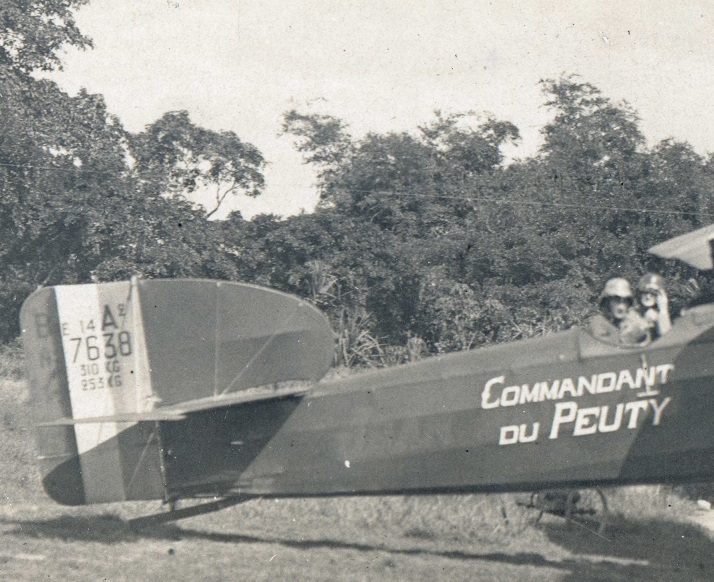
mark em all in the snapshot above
pixel 653 304
pixel 618 322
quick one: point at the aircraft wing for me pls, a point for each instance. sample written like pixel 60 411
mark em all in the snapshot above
pixel 694 248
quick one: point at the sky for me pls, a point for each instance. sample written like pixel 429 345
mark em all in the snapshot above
pixel 387 65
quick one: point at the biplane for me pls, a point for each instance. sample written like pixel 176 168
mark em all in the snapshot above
pixel 199 389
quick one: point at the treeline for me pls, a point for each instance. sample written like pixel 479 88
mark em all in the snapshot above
pixel 429 241
pixel 426 241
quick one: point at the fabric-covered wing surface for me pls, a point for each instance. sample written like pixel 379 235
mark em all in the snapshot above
pixel 694 248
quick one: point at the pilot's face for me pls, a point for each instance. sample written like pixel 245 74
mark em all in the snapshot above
pixel 619 307
pixel 648 299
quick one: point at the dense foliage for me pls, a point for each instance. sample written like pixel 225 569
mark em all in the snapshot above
pixel 442 246
pixel 424 241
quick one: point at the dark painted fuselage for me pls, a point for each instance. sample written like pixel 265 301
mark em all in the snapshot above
pixel 556 411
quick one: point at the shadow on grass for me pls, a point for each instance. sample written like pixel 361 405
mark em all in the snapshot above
pixel 633 550
pixel 629 550
pixel 109 529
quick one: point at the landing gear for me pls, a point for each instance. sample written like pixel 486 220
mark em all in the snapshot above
pixel 585 507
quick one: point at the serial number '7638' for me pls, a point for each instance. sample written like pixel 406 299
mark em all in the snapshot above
pixel 107 346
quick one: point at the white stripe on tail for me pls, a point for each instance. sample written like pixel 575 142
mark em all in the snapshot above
pixel 107 372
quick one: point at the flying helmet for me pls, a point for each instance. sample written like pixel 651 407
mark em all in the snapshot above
pixel 650 283
pixel 616 287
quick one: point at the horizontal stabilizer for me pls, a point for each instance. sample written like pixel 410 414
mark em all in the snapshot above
pixel 234 399
pixel 694 248
pixel 129 417
pixel 180 411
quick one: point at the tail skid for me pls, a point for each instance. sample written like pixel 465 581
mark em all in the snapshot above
pixel 175 514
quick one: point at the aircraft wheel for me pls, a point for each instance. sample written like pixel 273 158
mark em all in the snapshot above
pixel 588 507
pixel 522 512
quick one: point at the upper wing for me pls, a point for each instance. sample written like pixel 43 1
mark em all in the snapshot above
pixel 694 248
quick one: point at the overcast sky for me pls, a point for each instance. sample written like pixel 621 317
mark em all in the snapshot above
pixel 387 65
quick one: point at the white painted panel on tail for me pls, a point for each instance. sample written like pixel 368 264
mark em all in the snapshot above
pixel 98 338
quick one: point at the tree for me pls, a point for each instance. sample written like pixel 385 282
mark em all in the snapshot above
pixel 173 157
pixel 402 181
pixel 466 144
pixel 34 31
pixel 324 142
pixel 78 203
pixel 475 252
pixel 588 126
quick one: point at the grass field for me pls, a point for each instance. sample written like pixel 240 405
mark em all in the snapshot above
pixel 474 537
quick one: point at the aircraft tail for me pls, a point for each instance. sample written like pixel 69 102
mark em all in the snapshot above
pixel 107 363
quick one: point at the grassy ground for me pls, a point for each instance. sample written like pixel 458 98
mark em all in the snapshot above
pixel 474 537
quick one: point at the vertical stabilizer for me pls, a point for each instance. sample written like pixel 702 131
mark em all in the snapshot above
pixel 101 368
